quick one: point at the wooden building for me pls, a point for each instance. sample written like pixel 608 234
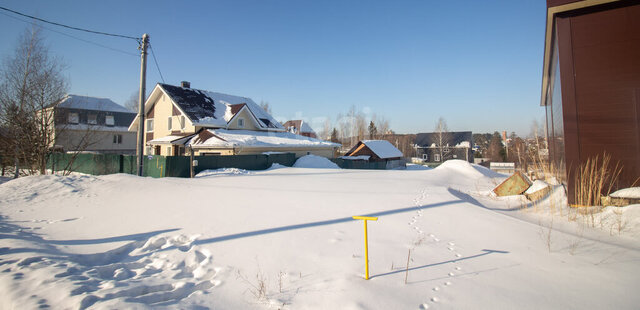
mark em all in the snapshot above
pixel 591 85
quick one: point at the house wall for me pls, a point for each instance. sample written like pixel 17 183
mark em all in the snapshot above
pixel 96 141
pixel 163 110
pixel 248 121
pixel 599 72
pixel 96 137
pixel 454 153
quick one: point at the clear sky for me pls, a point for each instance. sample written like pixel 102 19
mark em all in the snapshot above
pixel 476 63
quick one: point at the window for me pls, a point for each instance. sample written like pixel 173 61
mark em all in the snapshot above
pixel 149 125
pixel 182 122
pixel 117 139
pixel 92 119
pixel 425 156
pixel 436 157
pixel 109 120
pixel 169 123
pixel 73 118
pixel 455 156
pixel 241 122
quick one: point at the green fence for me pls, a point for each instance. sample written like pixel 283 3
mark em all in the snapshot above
pixel 96 164
pixel 362 164
pixel 162 166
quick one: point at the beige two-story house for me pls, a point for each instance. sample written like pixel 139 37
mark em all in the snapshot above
pixel 180 120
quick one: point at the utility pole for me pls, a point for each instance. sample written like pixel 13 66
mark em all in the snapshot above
pixel 143 84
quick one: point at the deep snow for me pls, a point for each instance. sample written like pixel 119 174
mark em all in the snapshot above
pixel 121 241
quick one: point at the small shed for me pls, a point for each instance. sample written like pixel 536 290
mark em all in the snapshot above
pixel 377 150
pixel 372 154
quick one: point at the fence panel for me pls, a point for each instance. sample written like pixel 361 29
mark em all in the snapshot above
pixel 163 166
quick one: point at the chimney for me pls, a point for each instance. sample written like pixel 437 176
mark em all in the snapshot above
pixel 185 84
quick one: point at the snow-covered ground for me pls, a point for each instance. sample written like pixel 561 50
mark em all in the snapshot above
pixel 284 238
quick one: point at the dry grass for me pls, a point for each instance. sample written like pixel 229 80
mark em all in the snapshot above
pixel 594 179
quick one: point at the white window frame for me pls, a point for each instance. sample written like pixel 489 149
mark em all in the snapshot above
pixel 73 118
pixel 109 120
pixel 240 122
pixel 149 125
pixel 169 123
pixel 425 156
pixel 117 139
pixel 436 157
pixel 182 122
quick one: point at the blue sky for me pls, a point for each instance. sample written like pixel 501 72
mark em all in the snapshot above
pixel 477 64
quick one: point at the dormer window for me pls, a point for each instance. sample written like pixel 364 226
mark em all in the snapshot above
pixel 73 118
pixel 109 120
pixel 240 122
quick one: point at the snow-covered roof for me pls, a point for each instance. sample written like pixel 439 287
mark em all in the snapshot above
pixel 170 140
pixel 90 103
pixel 382 148
pixel 300 125
pixel 213 109
pixel 215 138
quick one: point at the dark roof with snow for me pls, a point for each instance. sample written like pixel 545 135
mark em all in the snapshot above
pixel 196 104
pixel 210 108
pixel 453 138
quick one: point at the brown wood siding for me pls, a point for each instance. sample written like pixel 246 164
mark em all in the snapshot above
pixel 149 136
pixel 175 111
pixel 363 150
pixel 600 71
pixel 150 113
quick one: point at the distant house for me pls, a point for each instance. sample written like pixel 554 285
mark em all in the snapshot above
pixel 376 151
pixel 434 147
pixel 180 120
pixel 300 127
pixel 92 124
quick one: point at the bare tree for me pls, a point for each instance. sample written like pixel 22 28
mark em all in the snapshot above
pixel 443 138
pixel 326 129
pixel 265 106
pixel 132 103
pixel 30 82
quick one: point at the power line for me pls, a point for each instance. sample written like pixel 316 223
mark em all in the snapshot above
pixel 156 61
pixel 71 27
pixel 70 36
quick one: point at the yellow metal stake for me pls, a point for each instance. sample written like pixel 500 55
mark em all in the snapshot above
pixel 366 244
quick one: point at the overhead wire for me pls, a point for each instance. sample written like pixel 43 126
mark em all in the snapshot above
pixel 71 27
pixel 70 36
pixel 139 40
pixel 156 61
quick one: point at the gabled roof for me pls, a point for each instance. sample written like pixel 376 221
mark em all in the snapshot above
pixel 216 109
pixel 381 148
pixel 300 125
pixel 90 103
pixel 453 138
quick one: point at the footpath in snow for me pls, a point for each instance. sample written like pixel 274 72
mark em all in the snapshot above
pixel 284 238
